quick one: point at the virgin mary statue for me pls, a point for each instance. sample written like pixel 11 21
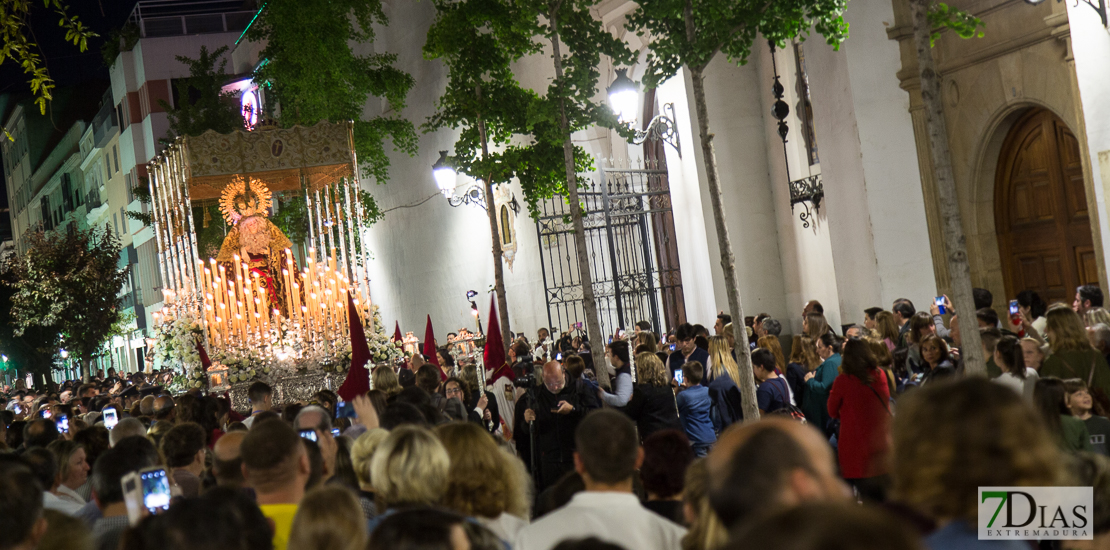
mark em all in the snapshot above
pixel 253 238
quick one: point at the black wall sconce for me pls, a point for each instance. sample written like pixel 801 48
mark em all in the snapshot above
pixel 808 191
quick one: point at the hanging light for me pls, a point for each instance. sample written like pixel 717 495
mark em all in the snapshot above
pixel 444 174
pixel 624 97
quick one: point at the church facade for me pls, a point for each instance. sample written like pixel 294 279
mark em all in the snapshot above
pixel 1030 139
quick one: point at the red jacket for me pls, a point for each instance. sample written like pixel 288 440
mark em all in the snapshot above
pixel 864 424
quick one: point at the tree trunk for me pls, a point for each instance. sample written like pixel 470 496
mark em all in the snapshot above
pixel 589 304
pixel 86 367
pixel 746 383
pixel 495 235
pixel 955 243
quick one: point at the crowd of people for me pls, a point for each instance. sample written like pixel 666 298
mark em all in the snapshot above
pixel 874 437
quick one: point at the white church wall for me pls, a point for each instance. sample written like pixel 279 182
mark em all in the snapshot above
pixel 875 210
pixel 1090 44
pixel 693 230
pixel 736 119
pixel 805 253
pixel 426 257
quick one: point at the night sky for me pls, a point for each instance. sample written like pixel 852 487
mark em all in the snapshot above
pixel 66 64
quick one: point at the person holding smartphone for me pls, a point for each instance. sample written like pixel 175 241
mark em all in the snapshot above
pixel 554 415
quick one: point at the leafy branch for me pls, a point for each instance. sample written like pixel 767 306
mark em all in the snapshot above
pixel 965 25
pixel 16 45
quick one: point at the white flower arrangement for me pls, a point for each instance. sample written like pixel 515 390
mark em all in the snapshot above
pixel 284 354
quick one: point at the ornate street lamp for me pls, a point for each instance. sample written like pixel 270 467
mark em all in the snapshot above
pixel 446 178
pixel 1102 8
pixel 806 191
pixel 624 97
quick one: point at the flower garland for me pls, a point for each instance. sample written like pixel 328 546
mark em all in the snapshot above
pixel 285 355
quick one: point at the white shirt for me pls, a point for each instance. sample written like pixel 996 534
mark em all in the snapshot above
pixel 506 526
pixel 617 518
pixel 50 501
pixel 67 494
pixel 1023 387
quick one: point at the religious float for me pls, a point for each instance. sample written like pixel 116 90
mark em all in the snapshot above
pixel 261 306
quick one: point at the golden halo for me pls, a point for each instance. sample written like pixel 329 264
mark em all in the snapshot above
pixel 241 199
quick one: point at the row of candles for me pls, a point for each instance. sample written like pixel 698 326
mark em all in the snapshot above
pixel 238 310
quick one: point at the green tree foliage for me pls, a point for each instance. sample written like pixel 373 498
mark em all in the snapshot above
pixel 70 280
pixel 119 40
pixel 17 43
pixel 202 104
pixel 478 40
pixel 33 350
pixel 964 24
pixel 312 74
pixel 683 33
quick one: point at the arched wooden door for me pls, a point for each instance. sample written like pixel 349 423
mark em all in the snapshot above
pixel 1040 213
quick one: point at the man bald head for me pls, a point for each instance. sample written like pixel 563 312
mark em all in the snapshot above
pixel 774 463
pixel 553 377
pixel 146 405
pixel 163 408
pixel 227 463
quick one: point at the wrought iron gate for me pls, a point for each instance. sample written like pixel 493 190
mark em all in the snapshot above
pixel 633 255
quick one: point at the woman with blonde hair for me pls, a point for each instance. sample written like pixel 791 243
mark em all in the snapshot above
pixel 409 468
pixel 362 452
pixel 887 329
pixel 1072 355
pixel 706 530
pixel 1097 315
pixel 647 338
pixel 951 439
pixel 73 470
pixel 653 405
pixel 485 482
pixel 724 395
pixel 328 518
pixel 385 381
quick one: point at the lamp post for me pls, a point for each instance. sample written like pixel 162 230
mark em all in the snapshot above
pixel 624 98
pixel 446 179
pixel 1101 7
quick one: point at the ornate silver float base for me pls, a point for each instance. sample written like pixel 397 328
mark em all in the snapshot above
pixel 287 389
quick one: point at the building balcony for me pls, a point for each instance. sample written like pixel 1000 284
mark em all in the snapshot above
pixel 173 18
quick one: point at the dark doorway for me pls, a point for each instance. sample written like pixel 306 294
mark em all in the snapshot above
pixel 1044 234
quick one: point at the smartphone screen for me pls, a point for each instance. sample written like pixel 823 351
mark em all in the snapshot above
pixel 46 413
pixel 559 357
pixel 678 376
pixel 344 410
pixel 940 304
pixel 309 435
pixel 335 432
pixel 63 424
pixel 672 347
pixel 111 418
pixel 1014 307
pixel 156 490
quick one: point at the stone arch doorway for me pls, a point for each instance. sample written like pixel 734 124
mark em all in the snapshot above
pixel 1040 210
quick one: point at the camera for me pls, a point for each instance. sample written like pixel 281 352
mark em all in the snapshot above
pixel 526 381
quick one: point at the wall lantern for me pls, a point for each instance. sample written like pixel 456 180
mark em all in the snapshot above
pixel 1101 7
pixel 624 97
pixel 445 176
pixel 807 191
